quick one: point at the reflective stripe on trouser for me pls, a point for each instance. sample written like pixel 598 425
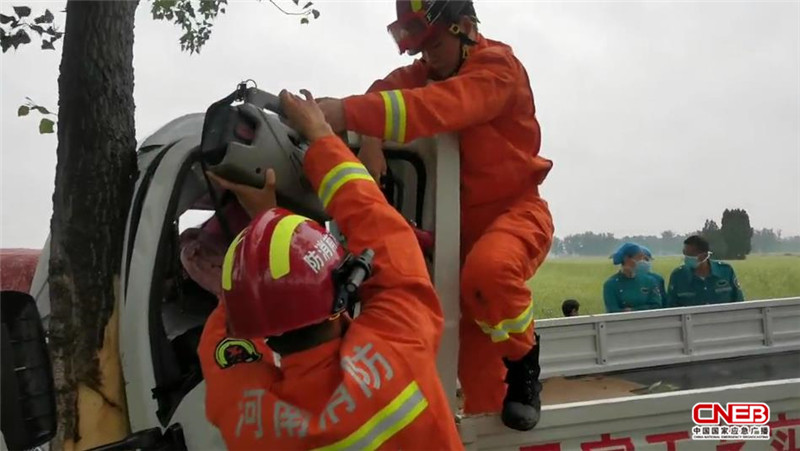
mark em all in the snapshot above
pixel 395 111
pixel 518 325
pixel 390 420
pixel 338 176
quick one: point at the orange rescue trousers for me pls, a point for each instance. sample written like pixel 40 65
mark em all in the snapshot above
pixel 502 245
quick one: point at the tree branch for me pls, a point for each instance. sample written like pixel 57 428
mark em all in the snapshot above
pixel 301 13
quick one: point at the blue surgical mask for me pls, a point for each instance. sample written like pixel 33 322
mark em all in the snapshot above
pixel 643 267
pixel 691 262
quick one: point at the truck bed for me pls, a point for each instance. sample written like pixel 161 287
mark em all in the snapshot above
pixel 669 378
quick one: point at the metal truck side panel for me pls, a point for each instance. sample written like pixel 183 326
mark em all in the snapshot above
pixel 584 426
pixel 621 341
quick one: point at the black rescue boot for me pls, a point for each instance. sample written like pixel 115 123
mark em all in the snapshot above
pixel 522 405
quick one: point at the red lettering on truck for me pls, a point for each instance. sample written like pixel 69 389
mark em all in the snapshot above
pixel 606 443
pixel 786 438
pixel 669 438
pixel 545 447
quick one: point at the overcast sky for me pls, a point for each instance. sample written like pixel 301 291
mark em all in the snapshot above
pixel 657 115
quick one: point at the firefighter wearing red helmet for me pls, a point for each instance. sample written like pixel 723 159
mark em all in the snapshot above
pixel 280 256
pixel 367 383
pixel 476 87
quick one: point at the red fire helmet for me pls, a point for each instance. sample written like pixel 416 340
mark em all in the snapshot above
pixel 418 21
pixel 277 275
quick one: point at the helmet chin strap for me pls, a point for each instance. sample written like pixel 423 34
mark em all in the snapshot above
pixel 466 43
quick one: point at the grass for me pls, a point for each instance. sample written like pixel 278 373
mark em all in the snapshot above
pixel 761 277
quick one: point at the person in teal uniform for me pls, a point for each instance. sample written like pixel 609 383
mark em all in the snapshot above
pixel 631 288
pixel 701 280
pixel 648 256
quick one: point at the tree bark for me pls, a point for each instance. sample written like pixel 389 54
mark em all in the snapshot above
pixel 95 176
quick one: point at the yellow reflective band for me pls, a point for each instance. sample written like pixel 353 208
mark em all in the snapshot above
pixel 394 105
pixel 338 176
pixel 227 263
pixel 401 128
pixel 390 420
pixel 517 325
pixel 389 117
pixel 281 243
pixel 416 5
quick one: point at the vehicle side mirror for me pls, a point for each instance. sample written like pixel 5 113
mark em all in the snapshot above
pixel 27 396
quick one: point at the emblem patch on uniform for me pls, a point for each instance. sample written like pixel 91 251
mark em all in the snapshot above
pixel 722 283
pixel 232 351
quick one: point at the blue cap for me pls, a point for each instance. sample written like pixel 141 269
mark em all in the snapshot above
pixel 646 251
pixel 626 250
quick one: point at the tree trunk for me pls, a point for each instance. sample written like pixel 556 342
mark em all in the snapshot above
pixel 95 176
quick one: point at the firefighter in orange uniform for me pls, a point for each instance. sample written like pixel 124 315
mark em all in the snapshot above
pixel 368 383
pixel 468 84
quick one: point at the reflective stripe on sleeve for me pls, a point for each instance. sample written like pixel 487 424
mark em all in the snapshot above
pixel 390 420
pixel 338 176
pixel 395 110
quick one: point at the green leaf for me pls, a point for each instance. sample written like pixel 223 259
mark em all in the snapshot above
pixel 304 20
pixel 22 11
pixel 315 13
pixel 37 29
pixel 189 9
pixel 20 37
pixel 47 17
pixel 296 2
pixel 46 126
pixel 23 111
pixel 23 37
pixel 5 19
pixel 308 5
pixel 48 45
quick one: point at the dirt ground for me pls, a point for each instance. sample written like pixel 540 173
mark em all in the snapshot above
pixel 561 390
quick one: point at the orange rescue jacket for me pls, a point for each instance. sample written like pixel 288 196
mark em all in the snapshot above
pixel 489 102
pixel 377 386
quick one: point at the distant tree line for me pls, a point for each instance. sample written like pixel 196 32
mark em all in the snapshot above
pixel 734 239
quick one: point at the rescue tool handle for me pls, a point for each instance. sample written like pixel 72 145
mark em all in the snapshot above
pixel 264 100
pixel 361 271
pixel 349 276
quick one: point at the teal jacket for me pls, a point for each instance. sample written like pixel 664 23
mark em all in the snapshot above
pixel 636 293
pixel 661 288
pixel 721 286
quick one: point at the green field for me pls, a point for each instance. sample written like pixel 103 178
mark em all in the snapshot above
pixel 761 277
